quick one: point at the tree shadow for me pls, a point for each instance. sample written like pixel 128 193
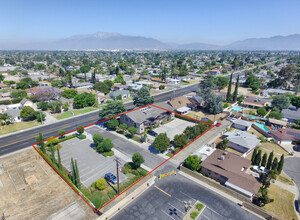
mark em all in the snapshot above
pixel 153 150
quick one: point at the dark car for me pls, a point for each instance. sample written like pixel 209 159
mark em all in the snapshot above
pixel 111 178
pixel 152 133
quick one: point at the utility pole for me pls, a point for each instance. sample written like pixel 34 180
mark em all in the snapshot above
pixel 118 163
pixel 41 117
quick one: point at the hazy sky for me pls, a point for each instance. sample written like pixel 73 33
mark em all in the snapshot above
pixel 184 21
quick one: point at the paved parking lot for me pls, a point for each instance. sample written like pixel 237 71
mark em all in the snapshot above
pixel 165 200
pixel 291 168
pixel 92 165
pixel 174 127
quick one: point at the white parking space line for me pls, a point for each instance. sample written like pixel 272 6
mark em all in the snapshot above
pixel 205 216
pixel 178 199
pixel 167 214
pixel 188 196
pixel 176 208
pixel 216 212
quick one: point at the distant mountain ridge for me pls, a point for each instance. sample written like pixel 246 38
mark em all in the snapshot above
pixel 116 41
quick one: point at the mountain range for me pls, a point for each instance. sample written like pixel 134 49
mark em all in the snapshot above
pixel 116 41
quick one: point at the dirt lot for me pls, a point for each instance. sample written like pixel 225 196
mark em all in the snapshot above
pixel 242 91
pixel 32 190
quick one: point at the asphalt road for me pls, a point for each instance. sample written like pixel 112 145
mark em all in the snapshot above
pixel 165 200
pixel 291 168
pixel 26 138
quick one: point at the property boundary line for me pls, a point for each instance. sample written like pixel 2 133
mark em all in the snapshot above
pixel 78 191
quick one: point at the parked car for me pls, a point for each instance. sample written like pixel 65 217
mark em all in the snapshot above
pixel 230 117
pixel 260 169
pixel 152 133
pixel 111 178
pixel 218 124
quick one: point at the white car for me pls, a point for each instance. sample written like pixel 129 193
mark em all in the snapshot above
pixel 260 169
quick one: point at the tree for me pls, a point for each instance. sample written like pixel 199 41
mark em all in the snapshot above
pixel 102 87
pixel 111 109
pixel 236 90
pixel 277 115
pixel 97 138
pixel 40 116
pixel 280 165
pixel 69 93
pixel 101 184
pixel 80 129
pixel 73 177
pixel 105 146
pixel 223 144
pixel 180 140
pixel 261 111
pixel 84 69
pixel 77 175
pixel 61 132
pixel 113 123
pixel 161 142
pixel 28 113
pixel 43 105
pixel 79 101
pixel 143 97
pixel 52 149
pixel 90 99
pixel 123 126
pixel 264 160
pixel 59 164
pixel 55 106
pixel 41 138
pixel 295 100
pixel 235 63
pixel 270 160
pixel 6 118
pixel 93 79
pixel 1 77
pixel 221 82
pixel 228 96
pixel 253 82
pixel 137 160
pixel 47 94
pixel 132 130
pixel 213 104
pixel 253 158
pixel 281 102
pixel 66 106
pixel 193 162
pixel 275 164
pixel 258 158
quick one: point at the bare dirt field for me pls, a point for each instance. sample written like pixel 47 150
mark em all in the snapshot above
pixel 31 189
pixel 242 91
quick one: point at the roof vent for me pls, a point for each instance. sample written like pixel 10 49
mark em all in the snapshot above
pixel 222 157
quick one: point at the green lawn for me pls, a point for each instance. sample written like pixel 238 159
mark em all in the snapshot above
pixel 17 126
pixel 68 114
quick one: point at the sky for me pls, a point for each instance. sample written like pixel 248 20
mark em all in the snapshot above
pixel 185 21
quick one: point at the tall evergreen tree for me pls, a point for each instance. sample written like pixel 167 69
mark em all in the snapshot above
pixel 275 164
pixel 264 160
pixel 280 165
pixel 228 97
pixel 270 160
pixel 52 155
pixel 93 79
pixel 258 158
pixel 254 155
pixel 236 90
pixel 73 177
pixel 77 175
pixel 59 160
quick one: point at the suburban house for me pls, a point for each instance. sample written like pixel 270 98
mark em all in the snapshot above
pixel 101 98
pixel 182 104
pixel 119 86
pixel 83 85
pixel 214 72
pixel 241 124
pixel 120 94
pixel 286 136
pixel 256 102
pixel 145 117
pixel 196 101
pixel 3 108
pixel 291 114
pixel 134 86
pixel 279 91
pixel 65 100
pixel 15 114
pixel 26 102
pixel 230 170
pixel 173 81
pixel 242 141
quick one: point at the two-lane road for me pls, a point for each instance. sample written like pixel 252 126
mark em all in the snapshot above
pixel 20 140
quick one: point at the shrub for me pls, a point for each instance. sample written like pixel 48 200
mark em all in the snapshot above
pixel 194 215
pixel 261 111
pixel 108 154
pixel 100 184
pixel 226 105
pixel 199 206
pixel 81 137
pixel 192 162
pixel 143 172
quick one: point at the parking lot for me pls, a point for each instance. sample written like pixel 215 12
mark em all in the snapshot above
pixel 174 127
pixel 92 165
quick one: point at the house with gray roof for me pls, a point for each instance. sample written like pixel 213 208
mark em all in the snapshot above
pixel 145 117
pixel 242 141
pixel 120 94
pixel 291 114
pixel 241 124
pixel 15 114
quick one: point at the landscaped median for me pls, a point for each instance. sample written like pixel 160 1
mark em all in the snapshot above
pixel 195 211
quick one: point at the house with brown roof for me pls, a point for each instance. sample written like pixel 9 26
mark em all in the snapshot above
pixel 255 102
pixel 285 136
pixel 182 104
pixel 230 170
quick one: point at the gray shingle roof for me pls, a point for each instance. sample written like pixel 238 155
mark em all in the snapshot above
pixel 145 114
pixel 243 139
pixel 13 112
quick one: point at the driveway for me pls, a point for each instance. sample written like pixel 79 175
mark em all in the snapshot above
pixel 165 200
pixel 91 165
pixel 291 168
pixel 174 127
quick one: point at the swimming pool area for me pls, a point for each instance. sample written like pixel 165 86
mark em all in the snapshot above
pixel 261 126
pixel 237 109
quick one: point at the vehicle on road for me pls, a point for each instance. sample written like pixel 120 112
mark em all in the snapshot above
pixel 260 169
pixel 152 133
pixel 111 178
pixel 218 124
